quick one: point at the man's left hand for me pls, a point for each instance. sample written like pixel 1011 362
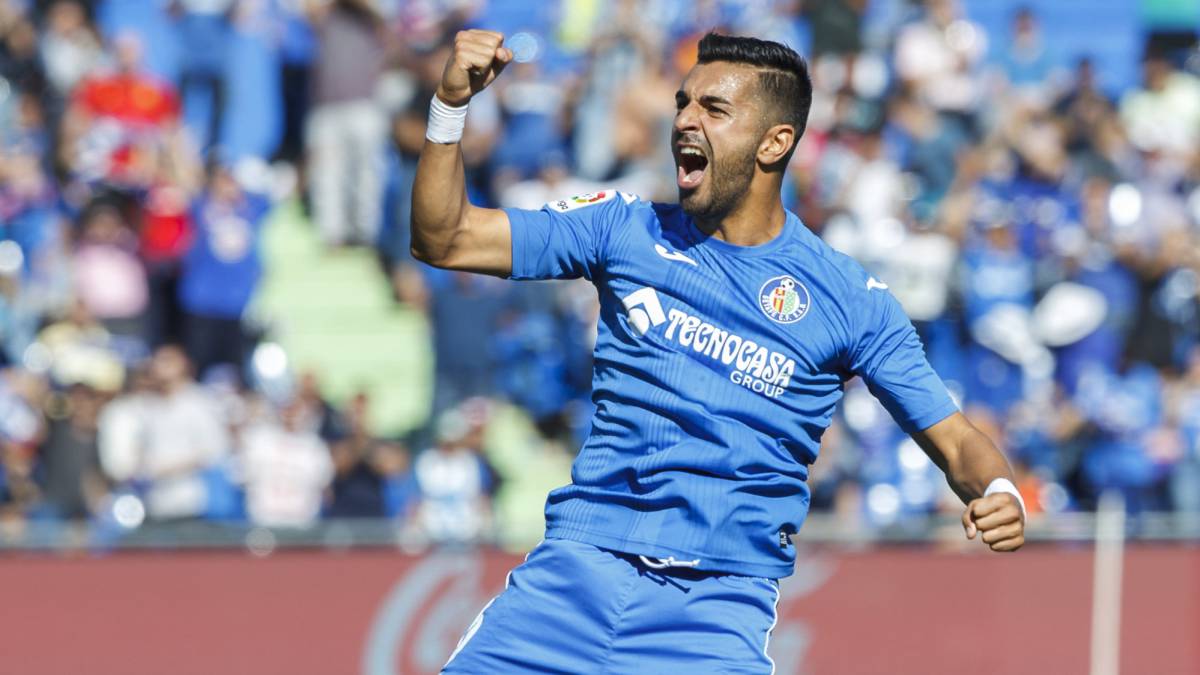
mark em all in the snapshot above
pixel 998 520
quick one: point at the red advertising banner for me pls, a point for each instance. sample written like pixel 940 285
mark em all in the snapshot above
pixel 888 610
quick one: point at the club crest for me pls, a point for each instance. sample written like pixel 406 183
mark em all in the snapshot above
pixel 784 300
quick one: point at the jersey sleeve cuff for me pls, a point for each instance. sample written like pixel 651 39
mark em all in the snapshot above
pixel 925 420
pixel 517 219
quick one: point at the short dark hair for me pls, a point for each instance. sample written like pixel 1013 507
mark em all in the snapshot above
pixel 784 77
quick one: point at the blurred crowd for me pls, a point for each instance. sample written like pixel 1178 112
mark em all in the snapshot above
pixel 1037 215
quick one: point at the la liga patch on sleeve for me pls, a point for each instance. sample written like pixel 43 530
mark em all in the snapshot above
pixel 587 199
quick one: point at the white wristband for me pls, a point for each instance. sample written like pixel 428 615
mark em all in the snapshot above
pixel 446 122
pixel 1005 485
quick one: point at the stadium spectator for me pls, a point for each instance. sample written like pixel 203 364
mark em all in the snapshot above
pixel 204 34
pixel 1026 63
pixel 80 351
pixel 1088 116
pixel 1185 409
pixel 70 48
pixel 163 436
pixel 19 62
pixel 852 166
pixel 319 414
pixel 21 429
pixel 836 26
pixel 115 118
pixel 68 464
pixel 1164 115
pixel 530 364
pixel 35 260
pixel 109 278
pixel 373 477
pixel 617 47
pixel 346 128
pixel 937 57
pixel 286 468
pixel 454 479
pixel 127 92
pixel 166 232
pixel 297 50
pixel 1132 449
pixel 221 270
pixel 464 367
pixel 532 105
pixel 642 118
pixel 407 136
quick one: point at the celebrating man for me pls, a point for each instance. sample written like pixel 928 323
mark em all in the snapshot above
pixel 727 332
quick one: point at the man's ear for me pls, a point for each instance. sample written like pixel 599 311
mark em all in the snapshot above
pixel 775 145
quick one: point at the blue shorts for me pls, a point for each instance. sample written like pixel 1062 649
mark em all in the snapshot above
pixel 575 608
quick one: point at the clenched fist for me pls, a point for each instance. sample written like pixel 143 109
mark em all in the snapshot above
pixel 998 520
pixel 476 61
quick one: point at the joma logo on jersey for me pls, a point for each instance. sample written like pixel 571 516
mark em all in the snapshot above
pixel 755 367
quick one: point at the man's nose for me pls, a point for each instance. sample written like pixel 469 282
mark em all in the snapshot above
pixel 687 119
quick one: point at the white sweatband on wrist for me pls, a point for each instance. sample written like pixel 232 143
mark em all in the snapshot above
pixel 1005 485
pixel 446 122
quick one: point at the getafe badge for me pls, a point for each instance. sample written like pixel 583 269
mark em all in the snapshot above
pixel 784 300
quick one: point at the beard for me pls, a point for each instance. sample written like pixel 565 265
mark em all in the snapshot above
pixel 725 186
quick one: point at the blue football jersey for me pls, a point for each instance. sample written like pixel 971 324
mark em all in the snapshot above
pixel 717 369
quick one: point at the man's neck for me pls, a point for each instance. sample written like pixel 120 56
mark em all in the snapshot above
pixel 756 220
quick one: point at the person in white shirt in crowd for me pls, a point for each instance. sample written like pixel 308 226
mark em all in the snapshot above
pixel 454 480
pixel 1163 116
pixel 70 47
pixel 287 469
pixel 164 435
pixel 938 55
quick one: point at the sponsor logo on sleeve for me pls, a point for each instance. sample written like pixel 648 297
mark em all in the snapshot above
pixel 589 199
pixel 578 201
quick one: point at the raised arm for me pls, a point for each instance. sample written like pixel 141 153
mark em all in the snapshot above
pixel 447 231
pixel 889 357
pixel 973 467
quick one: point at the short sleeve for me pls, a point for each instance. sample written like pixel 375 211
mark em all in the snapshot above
pixel 567 238
pixel 889 357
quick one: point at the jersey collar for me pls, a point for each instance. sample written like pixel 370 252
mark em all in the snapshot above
pixel 698 238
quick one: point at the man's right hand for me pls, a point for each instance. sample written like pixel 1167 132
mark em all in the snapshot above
pixel 447 231
pixel 476 61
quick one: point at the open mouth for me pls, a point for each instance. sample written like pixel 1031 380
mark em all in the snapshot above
pixel 692 165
